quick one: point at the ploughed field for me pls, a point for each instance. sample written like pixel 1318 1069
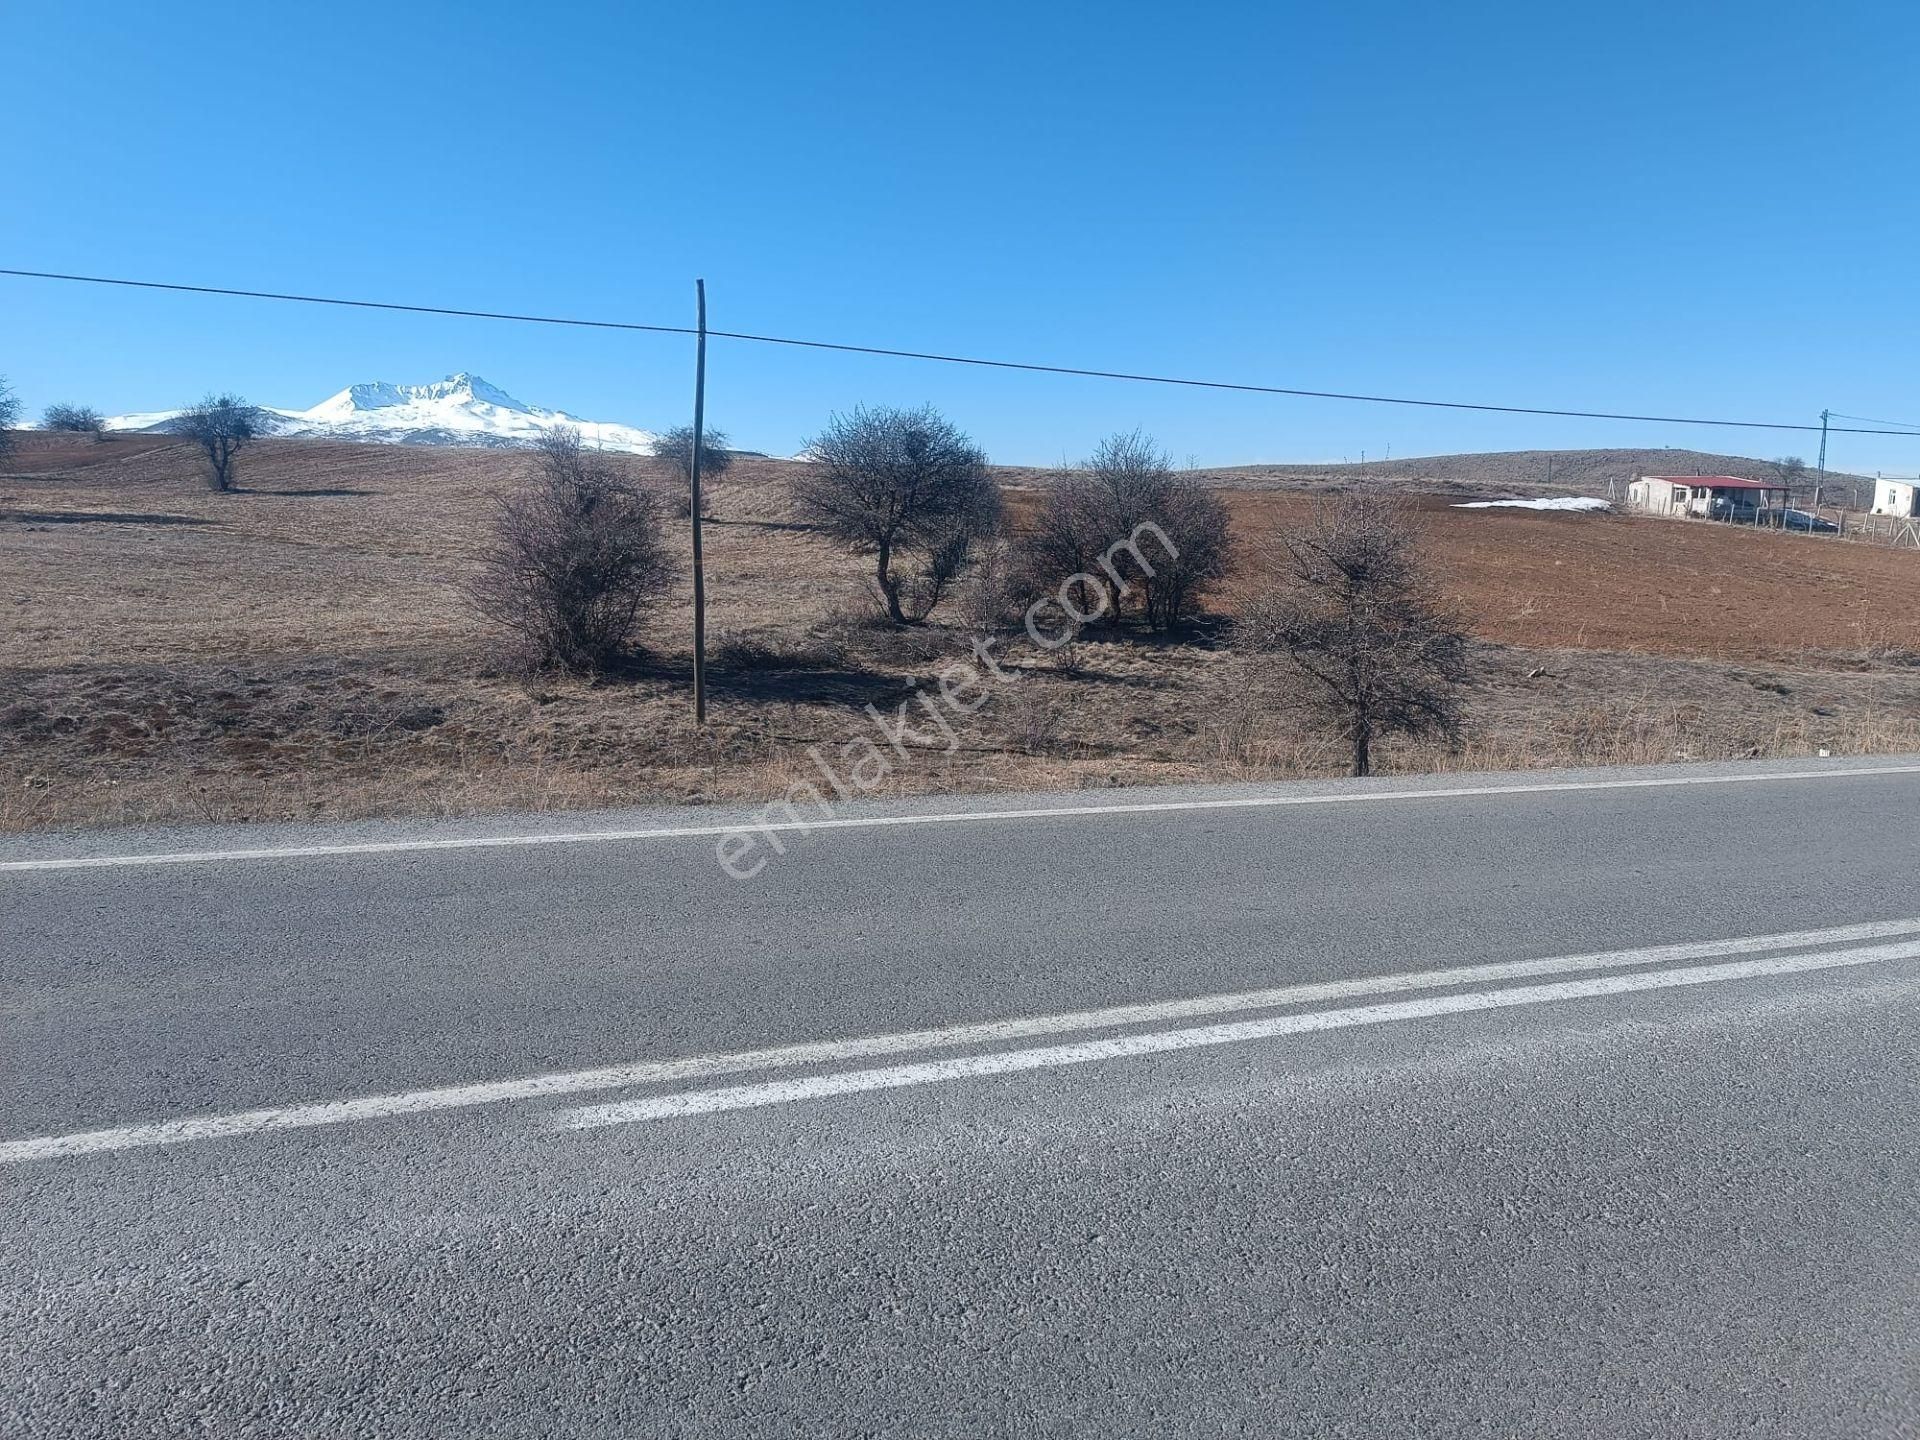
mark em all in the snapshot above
pixel 300 648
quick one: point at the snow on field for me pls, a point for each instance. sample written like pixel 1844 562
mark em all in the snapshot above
pixel 462 409
pixel 1558 502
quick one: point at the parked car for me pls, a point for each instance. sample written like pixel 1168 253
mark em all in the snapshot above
pixel 1806 520
pixel 1734 512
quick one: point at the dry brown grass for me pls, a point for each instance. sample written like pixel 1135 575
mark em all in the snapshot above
pixel 1652 586
pixel 298 649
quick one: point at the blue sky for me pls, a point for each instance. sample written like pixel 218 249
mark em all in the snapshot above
pixel 1702 208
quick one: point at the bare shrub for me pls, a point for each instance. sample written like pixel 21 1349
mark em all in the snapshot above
pixel 1351 608
pixel 74 419
pixel 904 483
pixel 1126 533
pixel 222 426
pixel 675 446
pixel 9 415
pixel 855 613
pixel 1034 719
pixel 576 553
pixel 1195 520
pixel 994 594
pixel 920 593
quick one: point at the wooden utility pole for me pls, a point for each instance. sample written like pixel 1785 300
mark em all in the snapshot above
pixel 693 486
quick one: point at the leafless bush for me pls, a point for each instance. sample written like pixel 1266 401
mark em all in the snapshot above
pixel 575 554
pixel 945 558
pixel 1195 520
pixel 903 483
pixel 994 594
pixel 1351 608
pixel 222 426
pixel 9 415
pixel 75 419
pixel 675 446
pixel 1034 719
pixel 1124 532
pixel 854 613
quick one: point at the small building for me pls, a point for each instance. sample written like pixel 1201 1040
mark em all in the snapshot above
pixel 1709 497
pixel 1659 495
pixel 1896 497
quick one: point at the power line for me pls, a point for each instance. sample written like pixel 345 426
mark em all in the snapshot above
pixel 355 304
pixel 1023 365
pixel 1869 420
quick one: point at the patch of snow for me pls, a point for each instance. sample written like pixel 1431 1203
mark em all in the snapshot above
pixel 1557 502
pixel 462 409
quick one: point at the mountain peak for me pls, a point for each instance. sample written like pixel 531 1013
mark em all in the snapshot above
pixel 461 390
pixel 462 409
pixel 464 385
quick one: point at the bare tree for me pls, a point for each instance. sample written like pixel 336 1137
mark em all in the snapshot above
pixel 1127 503
pixel 222 426
pixel 575 554
pixel 9 415
pixel 1792 471
pixel 1351 607
pixel 76 419
pixel 675 446
pixel 907 483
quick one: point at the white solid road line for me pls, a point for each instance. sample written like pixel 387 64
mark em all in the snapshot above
pixel 696 1067
pixel 1006 1062
pixel 868 822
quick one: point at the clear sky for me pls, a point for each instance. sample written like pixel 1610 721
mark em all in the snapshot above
pixel 1684 207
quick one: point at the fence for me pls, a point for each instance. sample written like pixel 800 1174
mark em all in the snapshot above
pixel 1899 532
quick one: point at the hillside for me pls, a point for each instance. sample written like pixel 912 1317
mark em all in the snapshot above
pixel 1505 472
pixel 1523 472
pixel 299 647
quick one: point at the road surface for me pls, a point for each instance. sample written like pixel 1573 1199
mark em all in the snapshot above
pixel 1563 1104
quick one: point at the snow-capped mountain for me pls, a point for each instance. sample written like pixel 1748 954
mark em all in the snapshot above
pixel 462 409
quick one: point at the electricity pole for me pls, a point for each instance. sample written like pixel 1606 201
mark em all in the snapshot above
pixel 693 487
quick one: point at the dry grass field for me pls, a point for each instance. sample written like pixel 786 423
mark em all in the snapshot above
pixel 299 649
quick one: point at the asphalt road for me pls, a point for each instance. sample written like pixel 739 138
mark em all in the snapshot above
pixel 1571 1104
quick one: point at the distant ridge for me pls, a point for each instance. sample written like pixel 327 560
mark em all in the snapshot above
pixel 1525 471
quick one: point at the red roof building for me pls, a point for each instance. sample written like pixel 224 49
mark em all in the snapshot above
pixel 1714 497
pixel 1715 482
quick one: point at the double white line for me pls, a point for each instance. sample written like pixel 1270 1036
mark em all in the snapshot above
pixel 740 1097
pixel 1643 966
